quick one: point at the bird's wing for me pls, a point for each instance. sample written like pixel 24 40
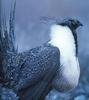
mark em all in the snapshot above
pixel 38 64
pixel 42 88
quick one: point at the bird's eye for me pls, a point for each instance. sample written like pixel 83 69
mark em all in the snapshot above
pixel 73 22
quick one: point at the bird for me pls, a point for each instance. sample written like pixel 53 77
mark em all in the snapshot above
pixel 31 75
pixel 64 37
pixel 55 64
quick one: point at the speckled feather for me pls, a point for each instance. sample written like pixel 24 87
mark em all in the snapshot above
pixel 38 62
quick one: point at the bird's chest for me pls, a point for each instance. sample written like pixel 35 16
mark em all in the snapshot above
pixel 68 59
pixel 67 48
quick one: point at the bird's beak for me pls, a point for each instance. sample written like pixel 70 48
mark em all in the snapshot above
pixel 80 24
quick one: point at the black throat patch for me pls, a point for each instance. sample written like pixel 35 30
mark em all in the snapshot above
pixel 75 38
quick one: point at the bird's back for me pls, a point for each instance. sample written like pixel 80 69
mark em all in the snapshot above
pixel 37 63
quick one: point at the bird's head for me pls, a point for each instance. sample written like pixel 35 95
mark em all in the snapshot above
pixel 73 24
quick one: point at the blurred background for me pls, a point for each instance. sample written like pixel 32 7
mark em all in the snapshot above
pixel 33 19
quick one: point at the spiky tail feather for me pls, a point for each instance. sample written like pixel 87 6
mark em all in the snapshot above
pixel 12 28
pixel 7 39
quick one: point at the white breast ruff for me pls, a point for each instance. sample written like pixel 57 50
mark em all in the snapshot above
pixel 62 37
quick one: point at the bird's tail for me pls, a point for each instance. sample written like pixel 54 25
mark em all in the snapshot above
pixel 7 38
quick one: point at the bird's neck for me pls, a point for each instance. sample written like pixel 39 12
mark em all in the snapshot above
pixel 63 38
